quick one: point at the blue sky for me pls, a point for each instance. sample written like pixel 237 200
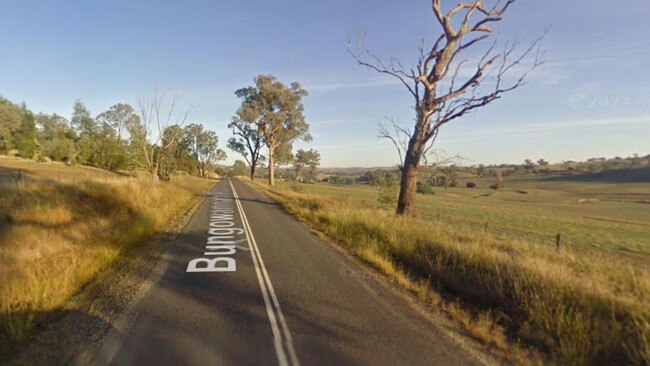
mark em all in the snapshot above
pixel 591 99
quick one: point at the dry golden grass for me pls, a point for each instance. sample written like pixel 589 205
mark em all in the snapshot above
pixel 55 237
pixel 576 307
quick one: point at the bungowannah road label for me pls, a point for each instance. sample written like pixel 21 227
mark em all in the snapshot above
pixel 224 237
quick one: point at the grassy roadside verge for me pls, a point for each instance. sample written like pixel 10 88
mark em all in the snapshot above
pixel 56 238
pixel 577 308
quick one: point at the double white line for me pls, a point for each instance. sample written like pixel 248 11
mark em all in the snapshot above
pixel 270 298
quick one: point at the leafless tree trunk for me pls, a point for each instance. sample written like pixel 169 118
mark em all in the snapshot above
pixel 440 91
pixel 152 115
pixel 252 170
pixel 253 167
pixel 271 163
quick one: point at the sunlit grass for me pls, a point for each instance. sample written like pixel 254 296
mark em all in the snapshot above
pixel 579 307
pixel 592 218
pixel 57 236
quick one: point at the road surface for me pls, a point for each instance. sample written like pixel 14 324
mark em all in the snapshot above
pixel 246 284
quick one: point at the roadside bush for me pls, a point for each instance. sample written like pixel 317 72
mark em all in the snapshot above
pixel 60 150
pixel 387 186
pixel 470 185
pixel 297 187
pixel 425 188
pixel 387 195
pixel 26 147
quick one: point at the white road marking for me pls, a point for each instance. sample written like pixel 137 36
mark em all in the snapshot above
pixel 221 243
pixel 260 269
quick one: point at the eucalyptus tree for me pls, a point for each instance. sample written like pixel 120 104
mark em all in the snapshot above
pixel 82 122
pixel 445 84
pixel 56 137
pixel 248 141
pixel 283 158
pixel 239 168
pixel 11 117
pixel 309 158
pixel 203 145
pixel 277 113
pixel 118 117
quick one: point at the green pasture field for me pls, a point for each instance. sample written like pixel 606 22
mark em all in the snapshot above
pixel 607 216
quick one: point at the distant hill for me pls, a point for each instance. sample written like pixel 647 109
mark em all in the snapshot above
pixel 353 170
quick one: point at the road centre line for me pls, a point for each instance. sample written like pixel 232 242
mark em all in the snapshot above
pixel 264 279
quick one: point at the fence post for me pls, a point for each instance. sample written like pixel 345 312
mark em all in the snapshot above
pixel 557 242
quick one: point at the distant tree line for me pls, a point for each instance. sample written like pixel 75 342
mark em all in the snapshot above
pixel 453 175
pixel 541 166
pixel 117 139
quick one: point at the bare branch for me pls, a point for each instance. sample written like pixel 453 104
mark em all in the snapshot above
pixel 399 136
pixel 395 69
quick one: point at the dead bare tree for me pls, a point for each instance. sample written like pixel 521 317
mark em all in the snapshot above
pixel 156 146
pixel 400 136
pixel 439 82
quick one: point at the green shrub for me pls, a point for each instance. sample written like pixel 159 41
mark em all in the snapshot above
pixel 26 147
pixel 60 150
pixel 425 188
pixel 387 195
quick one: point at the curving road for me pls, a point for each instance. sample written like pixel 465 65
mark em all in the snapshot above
pixel 246 284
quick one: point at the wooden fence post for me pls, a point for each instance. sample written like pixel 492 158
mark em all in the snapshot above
pixel 557 242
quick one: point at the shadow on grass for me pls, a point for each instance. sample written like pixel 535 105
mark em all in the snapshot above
pixel 632 175
pixel 93 216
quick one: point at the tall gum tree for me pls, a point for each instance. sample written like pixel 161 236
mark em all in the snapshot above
pixel 203 145
pixel 310 158
pixel 118 117
pixel 247 141
pixel 277 112
pixel 445 85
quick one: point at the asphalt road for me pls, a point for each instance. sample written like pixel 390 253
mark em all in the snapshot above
pixel 246 284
